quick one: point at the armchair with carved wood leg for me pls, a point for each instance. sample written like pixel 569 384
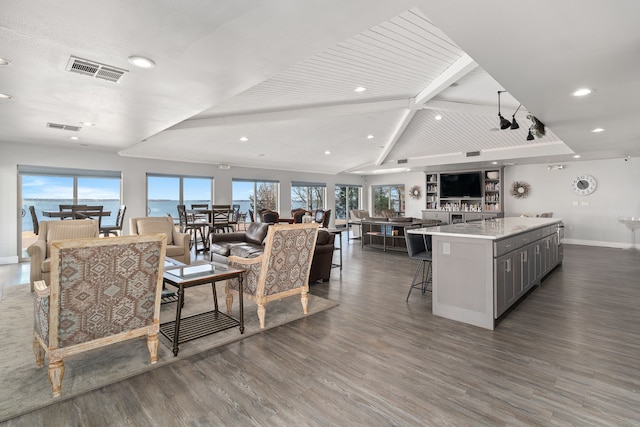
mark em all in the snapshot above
pixel 101 291
pixel 281 271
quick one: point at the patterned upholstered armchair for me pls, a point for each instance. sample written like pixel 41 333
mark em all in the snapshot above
pixel 281 271
pixel 102 291
pixel 50 231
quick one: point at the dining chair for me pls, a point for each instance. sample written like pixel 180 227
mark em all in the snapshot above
pixel 34 219
pixel 298 214
pixel 270 217
pixel 69 207
pixel 189 225
pixel 116 229
pixel 200 206
pixel 88 212
pixel 221 218
pixel 238 217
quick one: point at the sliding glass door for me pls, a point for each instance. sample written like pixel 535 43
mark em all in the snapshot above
pixel 47 188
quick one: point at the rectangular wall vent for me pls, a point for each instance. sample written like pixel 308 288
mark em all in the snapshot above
pixel 403 161
pixel 473 153
pixel 63 127
pixel 95 69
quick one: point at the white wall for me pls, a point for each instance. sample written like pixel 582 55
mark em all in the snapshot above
pixel 134 182
pixel 589 220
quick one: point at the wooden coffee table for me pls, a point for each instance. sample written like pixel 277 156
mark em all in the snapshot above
pixel 207 323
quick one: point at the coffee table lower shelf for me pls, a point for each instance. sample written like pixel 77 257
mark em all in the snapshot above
pixel 199 325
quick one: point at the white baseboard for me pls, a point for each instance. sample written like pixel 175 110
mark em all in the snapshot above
pixel 9 260
pixel 595 243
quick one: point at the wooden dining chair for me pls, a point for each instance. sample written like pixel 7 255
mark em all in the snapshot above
pixel 88 212
pixel 221 218
pixel 69 207
pixel 116 229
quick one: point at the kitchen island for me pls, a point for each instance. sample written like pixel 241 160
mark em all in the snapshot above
pixel 480 269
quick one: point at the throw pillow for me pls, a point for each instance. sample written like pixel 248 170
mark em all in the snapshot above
pixel 155 227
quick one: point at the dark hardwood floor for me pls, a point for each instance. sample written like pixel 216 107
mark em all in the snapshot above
pixel 568 354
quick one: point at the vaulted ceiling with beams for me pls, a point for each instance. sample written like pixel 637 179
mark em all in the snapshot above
pixel 272 84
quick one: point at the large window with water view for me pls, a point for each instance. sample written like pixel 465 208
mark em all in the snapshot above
pixel 47 188
pixel 166 192
pixel 254 195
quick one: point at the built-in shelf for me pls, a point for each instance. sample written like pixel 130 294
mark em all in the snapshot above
pixel 487 206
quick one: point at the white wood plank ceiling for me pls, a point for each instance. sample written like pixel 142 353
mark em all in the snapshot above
pixel 284 76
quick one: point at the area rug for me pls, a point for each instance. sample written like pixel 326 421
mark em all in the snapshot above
pixel 24 388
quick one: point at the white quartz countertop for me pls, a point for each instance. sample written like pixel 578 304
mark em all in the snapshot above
pixel 493 229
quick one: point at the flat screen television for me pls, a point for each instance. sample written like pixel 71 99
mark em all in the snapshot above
pixel 460 185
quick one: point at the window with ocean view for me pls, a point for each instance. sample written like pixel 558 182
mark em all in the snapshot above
pixel 255 195
pixel 47 188
pixel 166 192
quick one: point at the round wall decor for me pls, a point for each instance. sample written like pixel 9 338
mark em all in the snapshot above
pixel 415 192
pixel 520 189
pixel 583 185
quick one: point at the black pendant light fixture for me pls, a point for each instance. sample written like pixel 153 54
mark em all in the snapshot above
pixel 504 123
pixel 514 124
pixel 530 135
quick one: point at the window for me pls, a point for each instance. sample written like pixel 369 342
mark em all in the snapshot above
pixel 47 188
pixel 308 195
pixel 166 192
pixel 388 197
pixel 255 195
pixel 348 197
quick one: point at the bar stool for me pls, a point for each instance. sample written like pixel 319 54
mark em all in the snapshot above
pixel 419 248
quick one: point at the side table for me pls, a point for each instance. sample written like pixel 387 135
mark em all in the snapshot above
pixel 207 323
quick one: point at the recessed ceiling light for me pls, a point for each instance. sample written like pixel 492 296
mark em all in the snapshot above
pixel 360 89
pixel 494 163
pixel 75 138
pixel 438 117
pixel 141 61
pixel 576 156
pixel 369 136
pixel 582 92
pixel 327 152
pixel 88 123
pixel 5 96
pixel 597 130
pixel 244 139
pixel 4 61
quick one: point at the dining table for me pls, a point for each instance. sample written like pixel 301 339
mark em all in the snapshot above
pixel 69 214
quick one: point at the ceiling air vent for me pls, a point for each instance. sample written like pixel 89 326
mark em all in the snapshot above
pixel 473 153
pixel 403 161
pixel 95 69
pixel 63 127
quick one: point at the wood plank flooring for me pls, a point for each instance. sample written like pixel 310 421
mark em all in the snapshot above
pixel 568 354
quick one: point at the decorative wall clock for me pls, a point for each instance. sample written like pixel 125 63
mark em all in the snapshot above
pixel 583 185
pixel 415 192
pixel 520 189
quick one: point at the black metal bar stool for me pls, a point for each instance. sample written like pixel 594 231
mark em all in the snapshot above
pixel 419 248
